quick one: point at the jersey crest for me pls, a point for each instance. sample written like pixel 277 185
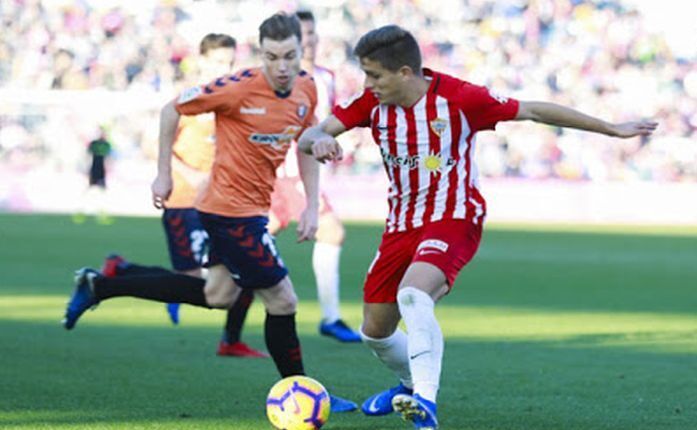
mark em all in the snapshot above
pixel 438 126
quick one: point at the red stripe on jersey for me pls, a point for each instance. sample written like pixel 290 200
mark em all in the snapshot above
pixel 375 120
pixel 396 180
pixel 413 151
pixel 455 135
pixel 434 147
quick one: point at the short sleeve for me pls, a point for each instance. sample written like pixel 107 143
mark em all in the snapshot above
pixel 217 96
pixel 484 108
pixel 356 111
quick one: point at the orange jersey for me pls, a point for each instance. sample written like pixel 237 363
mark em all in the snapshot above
pixel 194 147
pixel 254 127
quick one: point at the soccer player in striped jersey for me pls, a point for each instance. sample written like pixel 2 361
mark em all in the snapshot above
pixel 258 112
pixel 425 124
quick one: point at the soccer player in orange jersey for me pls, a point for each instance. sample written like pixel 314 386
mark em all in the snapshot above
pixel 287 200
pixel 425 124
pixel 258 112
pixel 187 240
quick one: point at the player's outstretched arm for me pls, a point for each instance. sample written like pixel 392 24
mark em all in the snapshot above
pixel 162 185
pixel 561 116
pixel 320 142
pixel 309 219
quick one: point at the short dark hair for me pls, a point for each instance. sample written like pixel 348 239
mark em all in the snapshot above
pixel 215 41
pixel 391 46
pixel 279 27
pixel 305 15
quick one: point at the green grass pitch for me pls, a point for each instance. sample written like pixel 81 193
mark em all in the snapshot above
pixel 548 329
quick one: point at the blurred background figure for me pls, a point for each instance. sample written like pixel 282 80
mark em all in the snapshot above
pixel 94 202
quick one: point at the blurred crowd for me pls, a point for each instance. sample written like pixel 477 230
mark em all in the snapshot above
pixel 598 56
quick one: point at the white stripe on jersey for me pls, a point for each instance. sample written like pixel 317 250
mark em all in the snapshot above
pixel 446 138
pixel 474 181
pixel 423 150
pixel 382 112
pixel 460 210
pixel 403 168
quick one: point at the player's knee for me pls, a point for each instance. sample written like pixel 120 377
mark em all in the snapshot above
pixel 330 230
pixel 375 330
pixel 220 299
pixel 221 296
pixel 285 304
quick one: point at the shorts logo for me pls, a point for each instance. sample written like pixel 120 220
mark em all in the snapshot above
pixel 189 94
pixel 438 126
pixel 432 246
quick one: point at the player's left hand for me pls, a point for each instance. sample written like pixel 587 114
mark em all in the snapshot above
pixel 161 189
pixel 634 128
pixel 307 224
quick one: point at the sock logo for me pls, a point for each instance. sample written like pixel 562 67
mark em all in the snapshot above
pixel 411 357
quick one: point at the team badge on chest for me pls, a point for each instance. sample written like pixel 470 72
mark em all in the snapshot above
pixel 438 126
pixel 302 111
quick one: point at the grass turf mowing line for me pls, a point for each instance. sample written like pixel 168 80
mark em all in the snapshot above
pixel 545 330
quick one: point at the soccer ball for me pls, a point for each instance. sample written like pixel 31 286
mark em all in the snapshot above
pixel 298 403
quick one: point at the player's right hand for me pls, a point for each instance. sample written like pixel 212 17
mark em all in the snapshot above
pixel 161 189
pixel 327 149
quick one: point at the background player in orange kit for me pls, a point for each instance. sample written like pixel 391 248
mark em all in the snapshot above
pixel 258 112
pixel 425 124
pixel 187 240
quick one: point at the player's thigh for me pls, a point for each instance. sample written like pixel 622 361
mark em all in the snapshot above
pixel 444 248
pixel 388 267
pixel 425 277
pixel 279 299
pixel 186 238
pixel 380 320
pixel 330 229
pixel 220 289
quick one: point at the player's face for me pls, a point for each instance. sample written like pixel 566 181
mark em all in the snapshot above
pixel 281 61
pixel 310 40
pixel 216 62
pixel 387 86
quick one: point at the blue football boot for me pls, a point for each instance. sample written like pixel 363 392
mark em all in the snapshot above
pixel 173 312
pixel 416 409
pixel 341 405
pixel 83 297
pixel 381 403
pixel 339 331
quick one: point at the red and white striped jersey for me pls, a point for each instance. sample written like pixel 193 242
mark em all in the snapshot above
pixel 428 149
